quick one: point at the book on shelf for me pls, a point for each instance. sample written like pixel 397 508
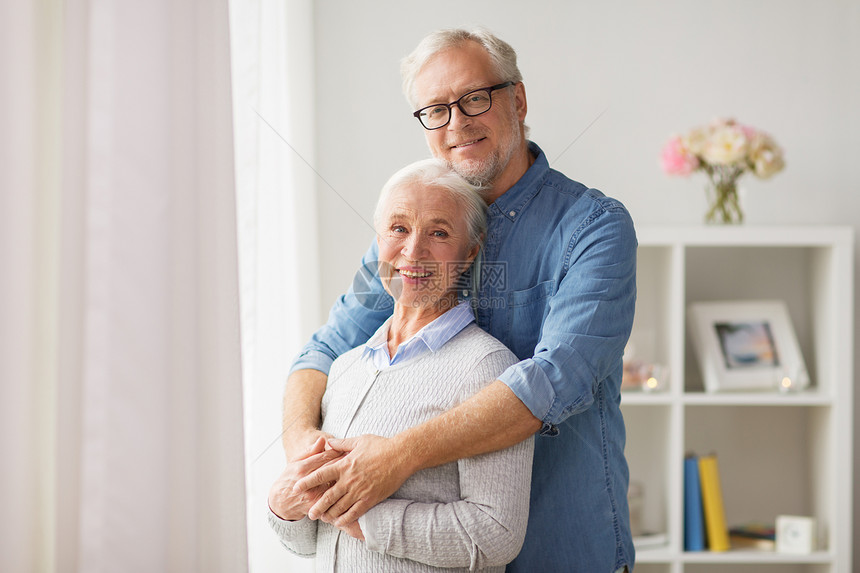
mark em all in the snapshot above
pixel 716 531
pixel 753 535
pixel 704 513
pixel 694 525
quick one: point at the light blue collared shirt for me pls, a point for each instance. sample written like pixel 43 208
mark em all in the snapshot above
pixel 429 339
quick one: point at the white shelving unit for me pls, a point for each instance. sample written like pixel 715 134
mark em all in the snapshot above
pixel 779 453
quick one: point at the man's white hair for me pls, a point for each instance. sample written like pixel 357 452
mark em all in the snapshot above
pixel 502 56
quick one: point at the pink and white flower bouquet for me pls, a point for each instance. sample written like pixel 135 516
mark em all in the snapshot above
pixel 724 150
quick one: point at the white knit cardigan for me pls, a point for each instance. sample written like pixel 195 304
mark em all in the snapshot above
pixel 464 516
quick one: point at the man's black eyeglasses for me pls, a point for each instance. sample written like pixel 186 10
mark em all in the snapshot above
pixel 473 103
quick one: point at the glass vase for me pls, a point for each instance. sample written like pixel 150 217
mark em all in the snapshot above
pixel 724 206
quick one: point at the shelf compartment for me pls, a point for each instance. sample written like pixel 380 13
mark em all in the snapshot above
pixel 782 468
pixel 657 290
pixel 650 466
pixel 789 274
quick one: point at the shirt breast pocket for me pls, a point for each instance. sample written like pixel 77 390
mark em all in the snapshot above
pixel 526 311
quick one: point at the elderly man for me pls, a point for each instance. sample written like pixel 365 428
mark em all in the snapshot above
pixel 557 287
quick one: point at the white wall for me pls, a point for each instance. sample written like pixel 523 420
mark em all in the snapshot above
pixel 651 69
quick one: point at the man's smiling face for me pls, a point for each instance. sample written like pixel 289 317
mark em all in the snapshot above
pixel 479 148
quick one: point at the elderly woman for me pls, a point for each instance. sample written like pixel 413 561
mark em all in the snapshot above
pixel 428 357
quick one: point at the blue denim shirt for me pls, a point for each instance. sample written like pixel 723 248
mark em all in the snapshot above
pixel 557 287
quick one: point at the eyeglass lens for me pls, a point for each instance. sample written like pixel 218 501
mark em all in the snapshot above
pixel 472 104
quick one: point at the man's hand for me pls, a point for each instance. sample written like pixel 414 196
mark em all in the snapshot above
pixel 372 469
pixel 282 501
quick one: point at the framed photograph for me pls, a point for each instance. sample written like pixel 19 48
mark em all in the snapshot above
pixel 746 345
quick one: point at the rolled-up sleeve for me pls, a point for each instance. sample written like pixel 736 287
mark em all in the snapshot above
pixel 587 322
pixel 352 320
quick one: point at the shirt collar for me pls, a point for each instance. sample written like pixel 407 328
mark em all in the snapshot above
pixel 515 199
pixel 432 336
pixel 445 327
pixel 380 337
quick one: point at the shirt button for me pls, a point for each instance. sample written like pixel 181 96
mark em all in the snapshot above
pixel 512 213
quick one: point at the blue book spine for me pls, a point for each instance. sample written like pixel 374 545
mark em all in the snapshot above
pixel 694 525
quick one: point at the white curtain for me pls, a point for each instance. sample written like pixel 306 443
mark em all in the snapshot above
pixel 272 50
pixel 120 406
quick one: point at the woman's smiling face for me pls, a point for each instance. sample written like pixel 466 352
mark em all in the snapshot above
pixel 424 246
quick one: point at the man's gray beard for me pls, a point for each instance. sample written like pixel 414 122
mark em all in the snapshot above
pixel 483 175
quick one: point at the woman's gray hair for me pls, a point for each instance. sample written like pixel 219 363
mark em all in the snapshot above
pixel 438 174
pixel 502 56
